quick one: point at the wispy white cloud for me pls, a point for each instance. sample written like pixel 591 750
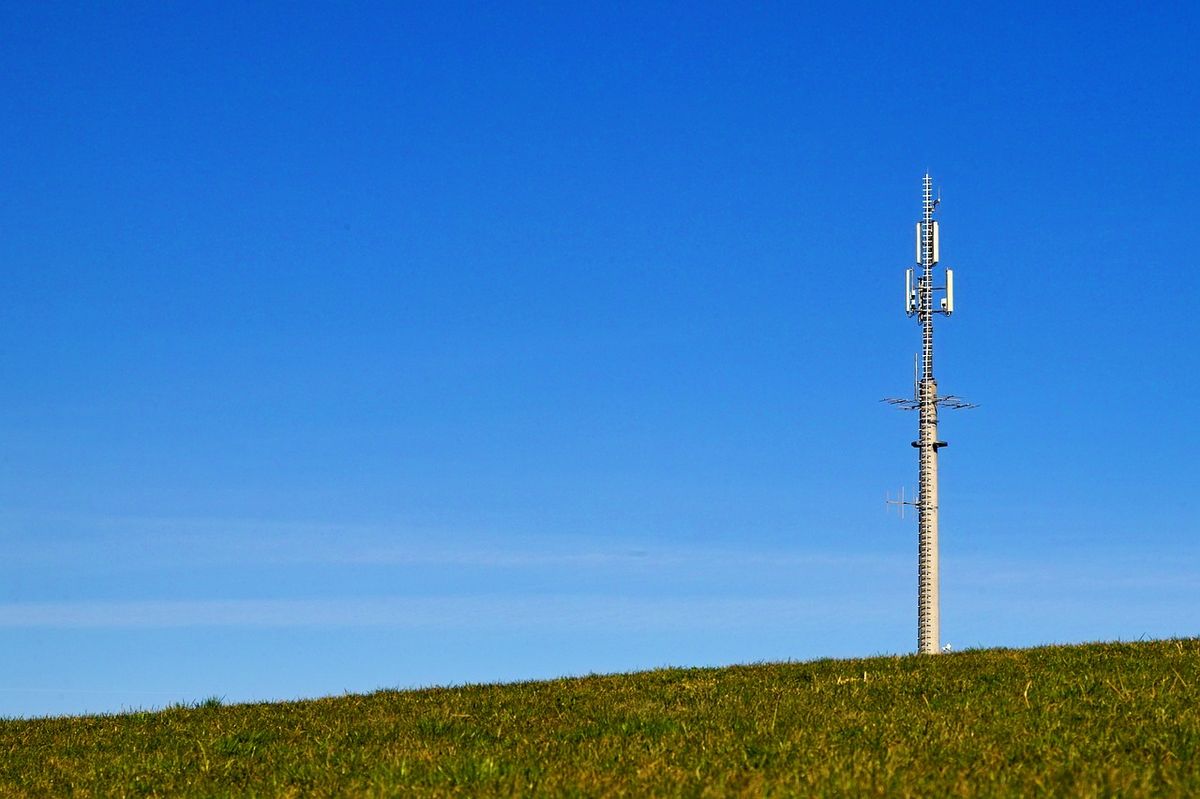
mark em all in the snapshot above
pixel 149 541
pixel 491 612
pixel 1083 573
pixel 772 587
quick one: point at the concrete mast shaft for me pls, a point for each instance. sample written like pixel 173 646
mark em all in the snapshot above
pixel 928 624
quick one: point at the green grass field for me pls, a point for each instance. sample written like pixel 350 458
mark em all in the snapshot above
pixel 1091 720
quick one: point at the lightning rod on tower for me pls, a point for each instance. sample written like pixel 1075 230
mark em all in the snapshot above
pixel 919 292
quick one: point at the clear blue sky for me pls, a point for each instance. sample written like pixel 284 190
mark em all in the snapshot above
pixel 352 346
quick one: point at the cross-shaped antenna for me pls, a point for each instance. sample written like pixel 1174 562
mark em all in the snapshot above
pixel 900 503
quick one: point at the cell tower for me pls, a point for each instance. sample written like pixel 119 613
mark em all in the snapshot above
pixel 919 293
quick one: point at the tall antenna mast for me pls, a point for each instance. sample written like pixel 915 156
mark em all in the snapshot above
pixel 919 293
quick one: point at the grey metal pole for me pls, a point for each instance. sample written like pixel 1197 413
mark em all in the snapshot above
pixel 918 301
pixel 928 633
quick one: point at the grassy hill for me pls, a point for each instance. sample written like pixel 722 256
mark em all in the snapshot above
pixel 1097 719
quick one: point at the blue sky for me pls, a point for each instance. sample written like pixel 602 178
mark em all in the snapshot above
pixel 351 346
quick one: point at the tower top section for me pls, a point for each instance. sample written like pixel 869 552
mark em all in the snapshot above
pixel 919 281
